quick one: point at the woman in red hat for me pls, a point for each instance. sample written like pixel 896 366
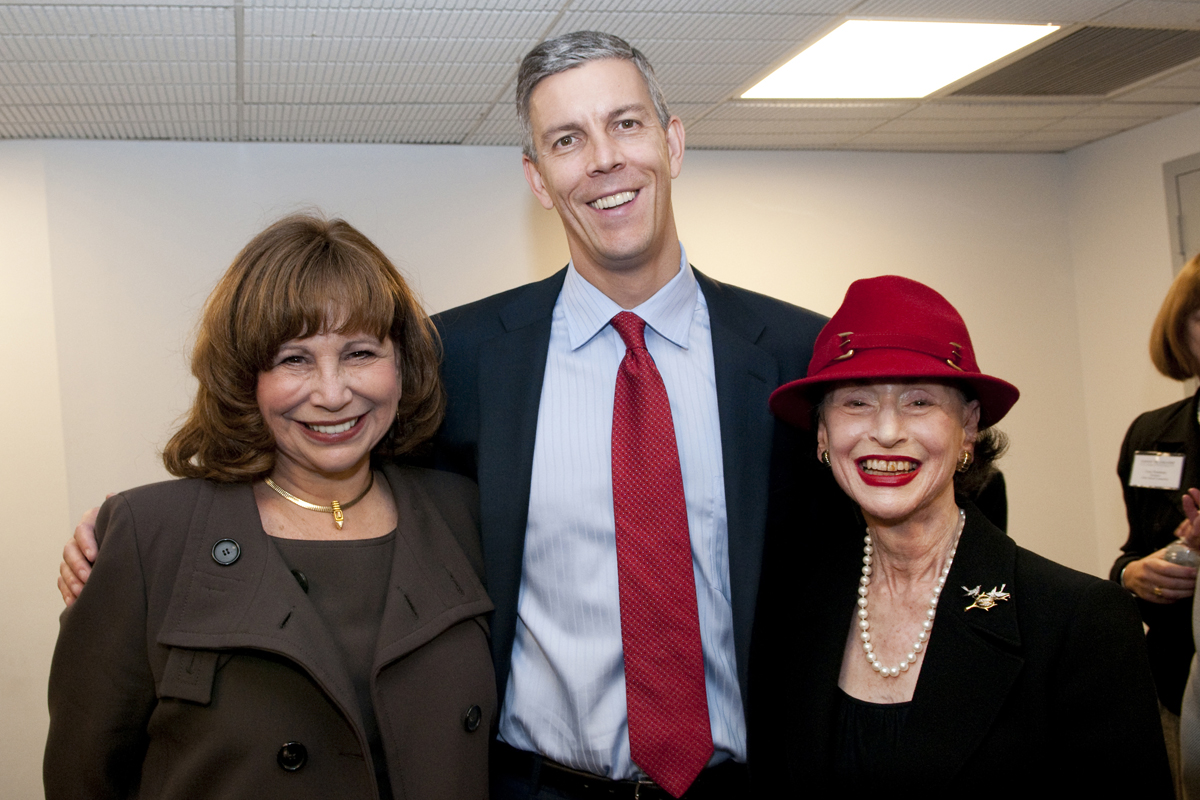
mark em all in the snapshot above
pixel 933 654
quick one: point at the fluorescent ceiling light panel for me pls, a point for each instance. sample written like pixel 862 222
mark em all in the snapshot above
pixel 882 59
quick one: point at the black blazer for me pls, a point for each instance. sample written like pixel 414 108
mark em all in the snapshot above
pixel 495 358
pixel 1153 515
pixel 1050 689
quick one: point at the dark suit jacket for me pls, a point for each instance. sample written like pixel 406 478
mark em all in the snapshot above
pixel 175 676
pixel 1153 515
pixel 495 358
pixel 1049 690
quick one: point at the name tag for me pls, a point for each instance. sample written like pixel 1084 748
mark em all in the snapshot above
pixel 1156 470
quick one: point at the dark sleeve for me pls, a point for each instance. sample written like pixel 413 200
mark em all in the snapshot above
pixel 454 445
pixel 1105 699
pixel 101 687
pixel 1142 540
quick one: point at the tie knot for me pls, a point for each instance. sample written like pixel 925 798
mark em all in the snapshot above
pixel 632 329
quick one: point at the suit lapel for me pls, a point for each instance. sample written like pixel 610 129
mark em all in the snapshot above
pixel 816 655
pixel 253 603
pixel 511 369
pixel 746 375
pixel 972 662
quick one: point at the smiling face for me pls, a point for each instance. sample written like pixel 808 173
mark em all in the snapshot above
pixel 605 163
pixel 893 447
pixel 328 400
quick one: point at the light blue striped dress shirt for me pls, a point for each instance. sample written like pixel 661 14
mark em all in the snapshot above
pixel 566 693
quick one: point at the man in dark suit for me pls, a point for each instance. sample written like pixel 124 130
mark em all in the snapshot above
pixel 530 376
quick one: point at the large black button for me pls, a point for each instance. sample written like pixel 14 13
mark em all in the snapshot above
pixel 292 756
pixel 472 717
pixel 300 579
pixel 226 551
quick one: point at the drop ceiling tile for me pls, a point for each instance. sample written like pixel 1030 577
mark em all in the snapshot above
pixel 715 51
pixel 984 111
pixel 717 6
pixel 952 126
pixel 1062 140
pixel 810 110
pixel 335 23
pixel 1163 94
pixel 689 111
pixel 945 147
pixel 395 83
pixel 1154 13
pixel 794 141
pixel 643 29
pixel 123 20
pixel 164 3
pixel 1103 125
pixel 63 94
pixel 372 70
pixel 1033 11
pixel 433 5
pixel 955 138
pixel 733 128
pixel 492 140
pixel 1149 110
pixel 1019 146
pixel 1189 77
pixel 438 123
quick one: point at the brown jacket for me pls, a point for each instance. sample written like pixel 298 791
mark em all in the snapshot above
pixel 177 676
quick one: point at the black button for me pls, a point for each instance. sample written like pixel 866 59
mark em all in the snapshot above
pixel 292 756
pixel 471 718
pixel 226 551
pixel 300 579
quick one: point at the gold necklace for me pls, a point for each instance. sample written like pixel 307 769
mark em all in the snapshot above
pixel 334 508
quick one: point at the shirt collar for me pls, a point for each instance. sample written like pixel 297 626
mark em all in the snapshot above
pixel 668 312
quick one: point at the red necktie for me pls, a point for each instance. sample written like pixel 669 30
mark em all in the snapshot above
pixel 669 733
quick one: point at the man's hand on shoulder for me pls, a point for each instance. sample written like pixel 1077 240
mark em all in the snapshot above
pixel 78 555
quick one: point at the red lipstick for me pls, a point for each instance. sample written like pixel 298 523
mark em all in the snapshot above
pixel 877 478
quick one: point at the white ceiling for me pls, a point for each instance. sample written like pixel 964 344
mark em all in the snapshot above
pixel 444 70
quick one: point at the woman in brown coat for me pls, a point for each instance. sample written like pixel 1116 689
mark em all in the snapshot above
pixel 291 619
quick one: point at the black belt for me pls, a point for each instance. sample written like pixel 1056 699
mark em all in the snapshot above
pixel 726 781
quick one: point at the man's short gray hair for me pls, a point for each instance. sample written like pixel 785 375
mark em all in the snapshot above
pixel 569 51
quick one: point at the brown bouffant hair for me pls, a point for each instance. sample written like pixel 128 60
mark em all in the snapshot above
pixel 302 276
pixel 1168 337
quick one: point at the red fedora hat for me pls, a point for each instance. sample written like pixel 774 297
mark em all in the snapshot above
pixel 892 327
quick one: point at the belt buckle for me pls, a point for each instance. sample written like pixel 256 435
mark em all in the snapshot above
pixel 647 784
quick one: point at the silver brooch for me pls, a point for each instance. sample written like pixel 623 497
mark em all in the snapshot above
pixel 985 600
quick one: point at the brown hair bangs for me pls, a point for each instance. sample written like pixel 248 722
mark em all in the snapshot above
pixel 301 276
pixel 1169 349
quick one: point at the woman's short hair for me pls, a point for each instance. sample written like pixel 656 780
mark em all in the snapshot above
pixel 1168 337
pixel 301 276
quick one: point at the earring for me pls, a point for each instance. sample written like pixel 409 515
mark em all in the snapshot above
pixel 825 458
pixel 964 461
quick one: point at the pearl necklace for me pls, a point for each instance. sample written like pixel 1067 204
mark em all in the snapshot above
pixel 926 626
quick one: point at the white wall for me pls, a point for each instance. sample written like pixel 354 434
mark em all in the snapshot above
pixel 32 469
pixel 1121 252
pixel 125 239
